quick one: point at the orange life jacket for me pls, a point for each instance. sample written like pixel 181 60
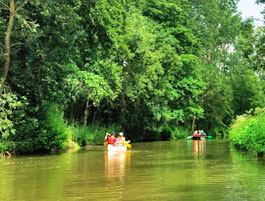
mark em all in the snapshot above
pixel 120 140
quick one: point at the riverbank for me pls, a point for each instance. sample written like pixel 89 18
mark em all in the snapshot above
pixel 248 131
pixel 74 137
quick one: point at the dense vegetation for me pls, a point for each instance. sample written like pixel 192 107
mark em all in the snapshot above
pixel 74 69
pixel 248 131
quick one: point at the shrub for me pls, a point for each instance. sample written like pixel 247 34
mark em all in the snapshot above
pixel 6 147
pixel 248 131
pixel 3 147
pixel 40 130
pixel 180 132
pixel 92 134
pixel 54 134
pixel 9 103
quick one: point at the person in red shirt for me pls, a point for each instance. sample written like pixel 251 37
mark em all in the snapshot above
pixel 111 138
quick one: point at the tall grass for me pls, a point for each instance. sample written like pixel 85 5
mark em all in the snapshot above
pixel 92 134
pixel 248 131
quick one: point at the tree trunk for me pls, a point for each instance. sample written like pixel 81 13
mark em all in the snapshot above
pixel 86 110
pixel 192 126
pixel 7 46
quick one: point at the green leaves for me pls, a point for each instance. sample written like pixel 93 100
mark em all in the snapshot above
pixel 248 131
pixel 8 103
pixel 138 64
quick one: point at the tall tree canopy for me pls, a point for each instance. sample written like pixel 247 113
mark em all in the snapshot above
pixel 145 65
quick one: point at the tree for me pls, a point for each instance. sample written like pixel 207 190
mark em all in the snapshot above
pixel 217 25
pixel 162 83
pixel 13 10
pixel 245 71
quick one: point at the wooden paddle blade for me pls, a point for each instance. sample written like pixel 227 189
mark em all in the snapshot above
pixel 127 145
pixel 105 143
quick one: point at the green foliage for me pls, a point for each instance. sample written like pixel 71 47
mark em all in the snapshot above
pixel 245 72
pixel 216 100
pixel 39 133
pixel 258 57
pixel 3 147
pixel 219 131
pixel 248 131
pixel 162 82
pixel 92 134
pixel 228 57
pixel 8 103
pixel 6 148
pixel 179 132
pixel 138 64
pixel 165 133
pixel 54 133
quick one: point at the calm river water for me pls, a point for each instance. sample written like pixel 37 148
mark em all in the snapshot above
pixel 177 170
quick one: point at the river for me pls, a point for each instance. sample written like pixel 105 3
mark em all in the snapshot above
pixel 173 170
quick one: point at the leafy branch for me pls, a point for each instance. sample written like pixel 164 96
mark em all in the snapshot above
pixel 21 6
pixel 7 7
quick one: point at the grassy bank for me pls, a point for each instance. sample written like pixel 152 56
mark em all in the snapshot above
pixel 248 131
pixel 92 134
pixel 50 132
pixel 75 136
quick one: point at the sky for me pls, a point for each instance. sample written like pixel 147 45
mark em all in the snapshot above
pixel 249 8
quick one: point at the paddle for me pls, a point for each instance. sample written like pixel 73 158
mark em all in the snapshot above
pixel 127 145
pixel 105 143
pixel 189 137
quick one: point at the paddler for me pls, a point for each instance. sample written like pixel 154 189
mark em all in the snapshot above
pixel 111 138
pixel 121 140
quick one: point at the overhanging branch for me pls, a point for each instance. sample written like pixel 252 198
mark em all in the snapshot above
pixel 4 5
pixel 21 6
pixel 16 44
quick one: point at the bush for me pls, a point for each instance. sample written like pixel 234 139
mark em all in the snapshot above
pixel 40 130
pixel 179 132
pixel 9 103
pixel 168 133
pixel 219 132
pixel 92 134
pixel 54 133
pixel 6 148
pixel 3 147
pixel 165 133
pixel 248 131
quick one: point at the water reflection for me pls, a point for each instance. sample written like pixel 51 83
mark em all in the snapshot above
pixel 116 163
pixel 199 146
pixel 177 170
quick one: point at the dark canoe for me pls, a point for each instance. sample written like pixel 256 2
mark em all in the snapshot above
pixel 198 137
